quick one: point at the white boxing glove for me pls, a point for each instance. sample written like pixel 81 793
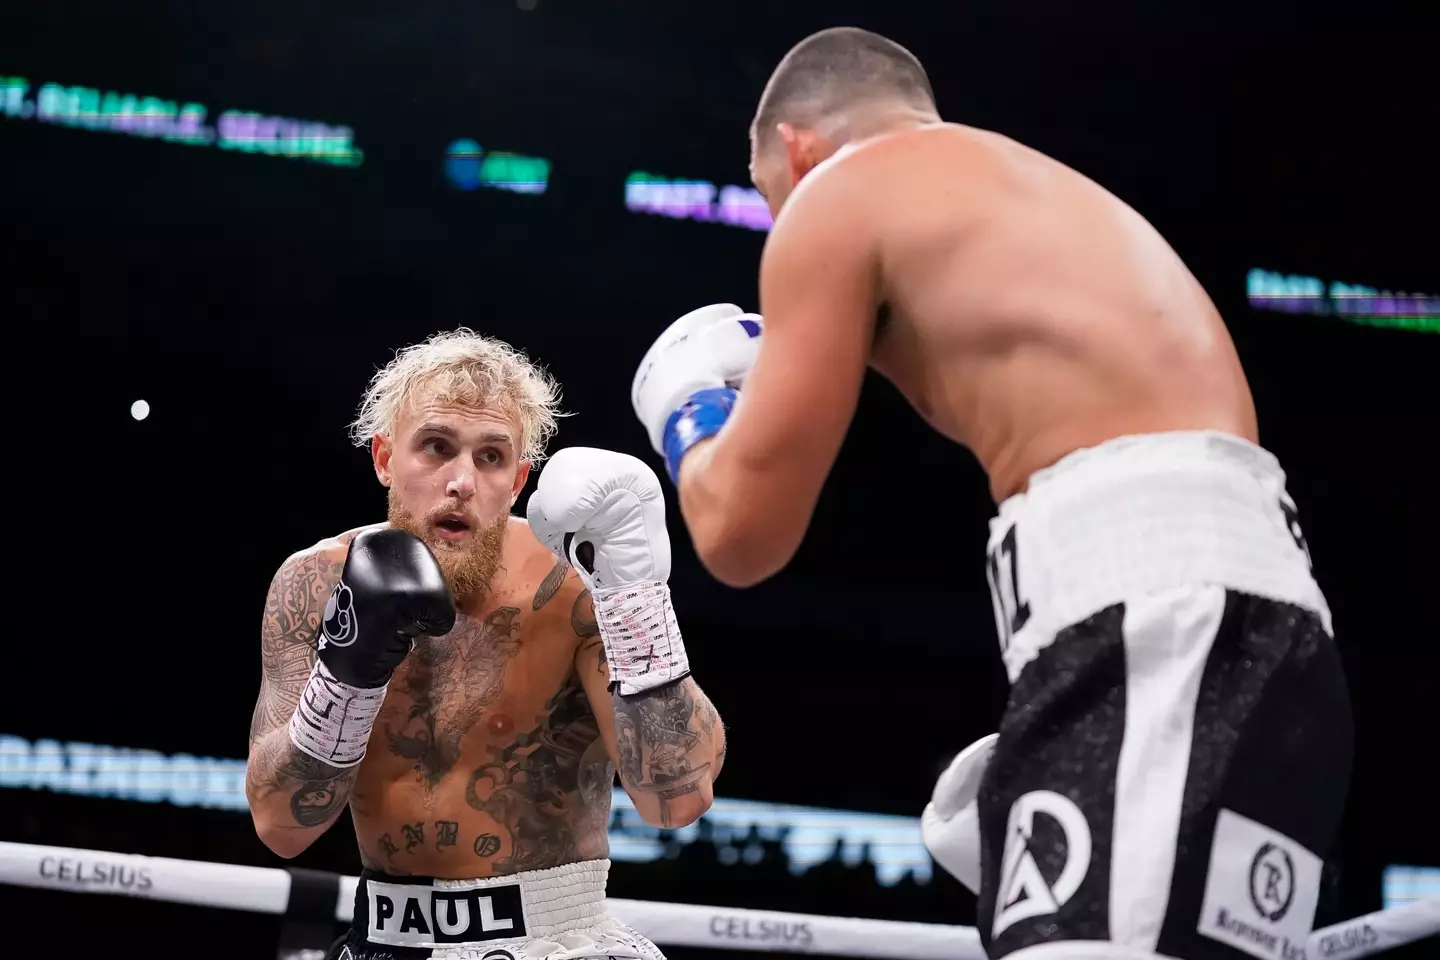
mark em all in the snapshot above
pixel 950 825
pixel 604 514
pixel 685 386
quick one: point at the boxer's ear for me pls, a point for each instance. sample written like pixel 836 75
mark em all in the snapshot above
pixel 522 473
pixel 804 150
pixel 794 151
pixel 380 451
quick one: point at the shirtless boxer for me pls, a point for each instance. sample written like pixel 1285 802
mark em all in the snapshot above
pixel 473 695
pixel 1174 755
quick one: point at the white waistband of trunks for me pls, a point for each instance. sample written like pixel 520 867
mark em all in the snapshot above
pixel 1150 512
pixel 490 912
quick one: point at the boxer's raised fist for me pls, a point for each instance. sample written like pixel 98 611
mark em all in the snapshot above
pixel 610 501
pixel 603 512
pixel 391 591
pixel 712 348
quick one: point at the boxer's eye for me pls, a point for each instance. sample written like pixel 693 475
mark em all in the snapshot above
pixel 490 456
pixel 435 447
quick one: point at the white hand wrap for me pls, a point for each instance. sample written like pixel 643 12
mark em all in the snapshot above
pixel 333 720
pixel 642 638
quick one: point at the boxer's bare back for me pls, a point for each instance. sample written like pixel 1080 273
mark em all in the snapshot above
pixel 1024 311
pixel 486 758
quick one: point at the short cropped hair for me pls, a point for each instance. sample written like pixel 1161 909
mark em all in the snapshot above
pixel 832 70
pixel 461 366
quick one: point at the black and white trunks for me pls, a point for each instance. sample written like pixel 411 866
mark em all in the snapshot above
pixel 1175 753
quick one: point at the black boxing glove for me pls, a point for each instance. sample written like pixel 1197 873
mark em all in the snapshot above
pixel 390 592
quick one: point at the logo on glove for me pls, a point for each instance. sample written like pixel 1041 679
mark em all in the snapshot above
pixel 338 627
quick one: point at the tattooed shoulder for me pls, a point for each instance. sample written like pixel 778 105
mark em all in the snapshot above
pixel 297 596
pixel 551 585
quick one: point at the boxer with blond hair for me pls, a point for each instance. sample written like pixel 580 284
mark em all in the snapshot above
pixel 468 683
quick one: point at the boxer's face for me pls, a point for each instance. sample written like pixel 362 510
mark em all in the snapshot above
pixel 453 472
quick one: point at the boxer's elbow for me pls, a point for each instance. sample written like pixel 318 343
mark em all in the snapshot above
pixel 742 554
pixel 287 842
pixel 742 529
pixel 740 564
pixel 675 807
pixel 274 821
pixel 686 810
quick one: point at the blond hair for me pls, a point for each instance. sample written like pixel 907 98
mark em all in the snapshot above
pixel 462 366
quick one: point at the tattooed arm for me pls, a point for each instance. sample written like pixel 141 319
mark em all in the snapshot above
pixel 293 797
pixel 667 743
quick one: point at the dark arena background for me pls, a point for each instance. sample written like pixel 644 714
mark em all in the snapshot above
pixel 219 219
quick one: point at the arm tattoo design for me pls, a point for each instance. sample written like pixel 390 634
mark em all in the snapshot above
pixel 293 608
pixel 602 664
pixel 654 736
pixel 582 617
pixel 705 713
pixel 550 585
pixel 709 723
pixel 317 790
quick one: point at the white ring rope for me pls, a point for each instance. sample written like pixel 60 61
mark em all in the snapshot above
pixel 267 890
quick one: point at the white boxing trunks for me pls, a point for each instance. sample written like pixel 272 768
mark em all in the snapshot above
pixel 555 914
pixel 1174 756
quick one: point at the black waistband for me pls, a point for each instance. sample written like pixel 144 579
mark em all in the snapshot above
pixel 367 875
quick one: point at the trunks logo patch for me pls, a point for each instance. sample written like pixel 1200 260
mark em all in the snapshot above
pixel 1041 824
pixel 1261 891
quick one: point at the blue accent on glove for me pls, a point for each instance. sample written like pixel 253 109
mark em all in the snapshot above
pixel 699 417
pixel 751 327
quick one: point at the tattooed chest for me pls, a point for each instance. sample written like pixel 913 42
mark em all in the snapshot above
pixel 537 799
pixel 444 687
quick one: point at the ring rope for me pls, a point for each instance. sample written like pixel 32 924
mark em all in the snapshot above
pixel 267 890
